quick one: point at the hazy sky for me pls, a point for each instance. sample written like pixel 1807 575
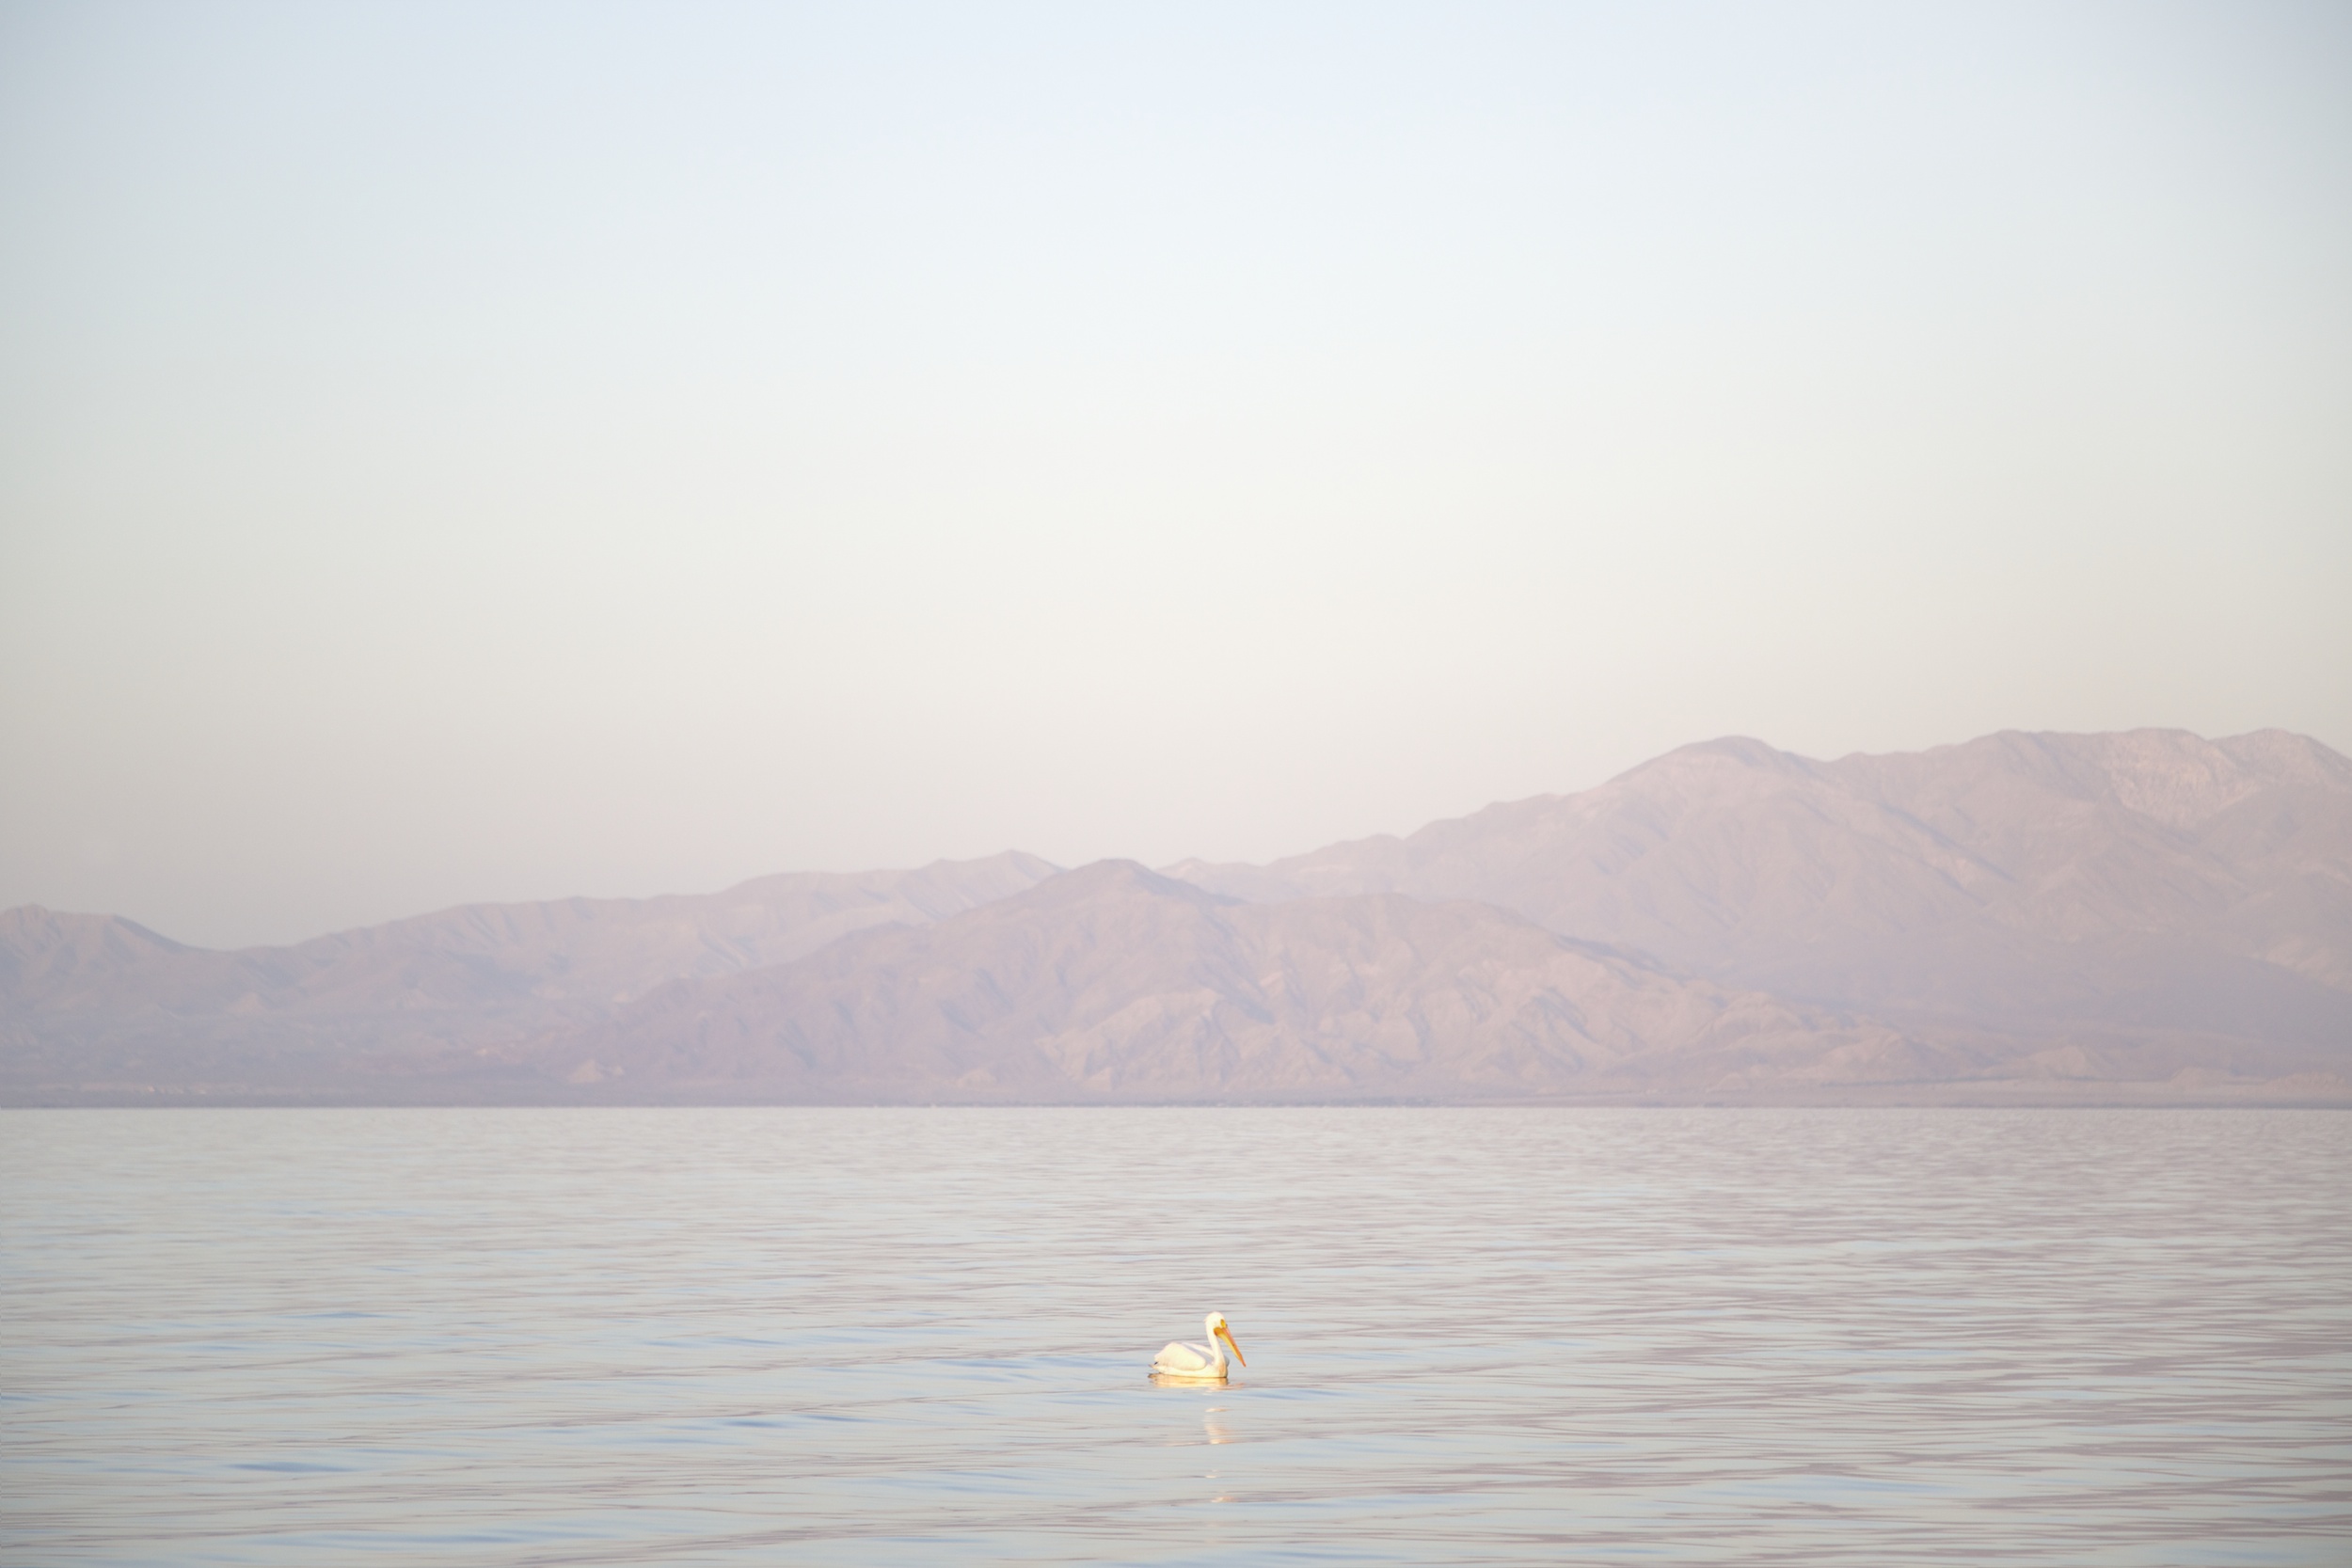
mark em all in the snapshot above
pixel 458 452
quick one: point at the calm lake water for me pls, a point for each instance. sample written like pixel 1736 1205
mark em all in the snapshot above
pixel 308 1337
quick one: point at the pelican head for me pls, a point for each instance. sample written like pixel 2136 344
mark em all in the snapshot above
pixel 1214 1323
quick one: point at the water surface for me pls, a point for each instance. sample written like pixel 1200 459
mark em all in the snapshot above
pixel 740 1337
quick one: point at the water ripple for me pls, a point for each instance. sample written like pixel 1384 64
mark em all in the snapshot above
pixel 892 1336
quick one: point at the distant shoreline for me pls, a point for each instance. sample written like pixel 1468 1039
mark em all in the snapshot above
pixel 1958 1097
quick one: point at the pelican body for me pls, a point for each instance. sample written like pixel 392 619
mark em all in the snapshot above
pixel 1203 1363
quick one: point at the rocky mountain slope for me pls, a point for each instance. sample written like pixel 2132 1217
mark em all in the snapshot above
pixel 1114 983
pixel 98 998
pixel 2146 911
pixel 2093 891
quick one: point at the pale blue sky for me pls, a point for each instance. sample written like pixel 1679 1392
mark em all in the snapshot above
pixel 498 452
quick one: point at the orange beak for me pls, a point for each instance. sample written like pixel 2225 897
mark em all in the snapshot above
pixel 1226 1335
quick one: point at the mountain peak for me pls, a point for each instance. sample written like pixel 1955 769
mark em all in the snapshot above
pixel 2145 880
pixel 1115 878
pixel 1743 751
pixel 2283 757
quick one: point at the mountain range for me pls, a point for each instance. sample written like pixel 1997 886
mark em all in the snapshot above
pixel 2137 917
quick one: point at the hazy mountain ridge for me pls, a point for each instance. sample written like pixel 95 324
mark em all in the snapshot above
pixel 2016 883
pixel 2145 909
pixel 1112 982
pixel 103 994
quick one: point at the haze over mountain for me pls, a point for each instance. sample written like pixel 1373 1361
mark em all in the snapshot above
pixel 1112 982
pixel 2092 889
pixel 96 997
pixel 2145 911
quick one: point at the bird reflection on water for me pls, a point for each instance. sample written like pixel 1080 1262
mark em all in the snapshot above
pixel 1218 1435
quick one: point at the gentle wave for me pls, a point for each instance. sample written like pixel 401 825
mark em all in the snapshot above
pixel 890 1336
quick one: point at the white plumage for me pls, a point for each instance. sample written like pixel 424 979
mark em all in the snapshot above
pixel 1199 1363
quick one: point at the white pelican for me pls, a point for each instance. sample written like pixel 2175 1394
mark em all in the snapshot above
pixel 1199 1363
